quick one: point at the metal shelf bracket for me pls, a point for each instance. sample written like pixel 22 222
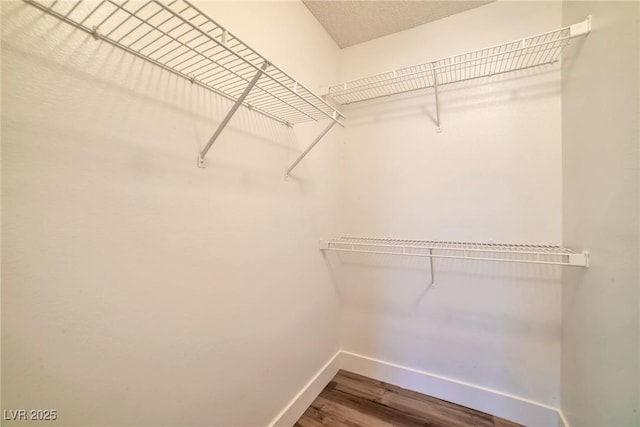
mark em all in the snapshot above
pixel 232 111
pixel 431 274
pixel 179 38
pixel 310 147
pixel 519 253
pixel 581 28
pixel 435 88
pixel 579 260
pixel 533 51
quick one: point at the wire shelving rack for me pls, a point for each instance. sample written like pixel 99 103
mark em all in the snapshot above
pixel 520 253
pixel 533 51
pixel 180 38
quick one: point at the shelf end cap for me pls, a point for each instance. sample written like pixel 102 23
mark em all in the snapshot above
pixel 579 260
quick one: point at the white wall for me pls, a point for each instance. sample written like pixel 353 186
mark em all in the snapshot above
pixel 138 289
pixel 601 144
pixel 493 174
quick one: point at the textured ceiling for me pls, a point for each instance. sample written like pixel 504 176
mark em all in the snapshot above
pixel 351 22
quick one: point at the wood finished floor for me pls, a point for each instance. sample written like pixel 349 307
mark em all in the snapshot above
pixel 353 400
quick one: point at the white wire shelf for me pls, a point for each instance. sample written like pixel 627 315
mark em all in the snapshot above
pixel 516 55
pixel 177 36
pixel 530 254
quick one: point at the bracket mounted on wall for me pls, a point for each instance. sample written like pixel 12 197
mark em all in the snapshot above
pixel 230 114
pixel 309 148
pixel 533 51
pixel 502 252
pixel 178 37
pixel 518 253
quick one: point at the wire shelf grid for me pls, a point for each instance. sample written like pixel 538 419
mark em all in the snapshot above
pixel 523 253
pixel 180 38
pixel 534 51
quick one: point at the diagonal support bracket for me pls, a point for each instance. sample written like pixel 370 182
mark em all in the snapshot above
pixel 310 147
pixel 435 88
pixel 432 284
pixel 230 114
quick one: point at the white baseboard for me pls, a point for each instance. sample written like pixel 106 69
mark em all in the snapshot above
pixel 510 407
pixel 296 407
pixel 504 405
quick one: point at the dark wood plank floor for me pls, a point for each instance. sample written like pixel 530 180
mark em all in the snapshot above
pixel 357 401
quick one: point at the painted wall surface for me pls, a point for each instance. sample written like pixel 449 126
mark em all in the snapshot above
pixel 601 182
pixel 138 289
pixel 492 174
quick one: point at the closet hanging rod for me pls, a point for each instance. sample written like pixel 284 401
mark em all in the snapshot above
pixel 519 253
pixel 178 37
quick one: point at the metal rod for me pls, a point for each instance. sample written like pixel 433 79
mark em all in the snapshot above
pixel 277 70
pixel 537 36
pixel 452 257
pixel 309 148
pixel 431 267
pixel 81 22
pixel 441 84
pixel 244 59
pixel 499 249
pixel 146 58
pixel 97 27
pixel 306 105
pixel 522 51
pixel 133 15
pixel 435 88
pixel 72 9
pixel 141 23
pixel 232 111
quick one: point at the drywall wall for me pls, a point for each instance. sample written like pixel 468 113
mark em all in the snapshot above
pixel 492 174
pixel 138 289
pixel 601 181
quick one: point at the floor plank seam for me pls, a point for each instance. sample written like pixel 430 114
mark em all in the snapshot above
pixel 353 400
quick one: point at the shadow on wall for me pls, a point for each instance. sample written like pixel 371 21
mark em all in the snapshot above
pixel 569 56
pixel 483 307
pixel 531 83
pixel 56 46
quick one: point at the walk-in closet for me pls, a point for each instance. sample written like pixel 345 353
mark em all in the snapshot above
pixel 314 212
